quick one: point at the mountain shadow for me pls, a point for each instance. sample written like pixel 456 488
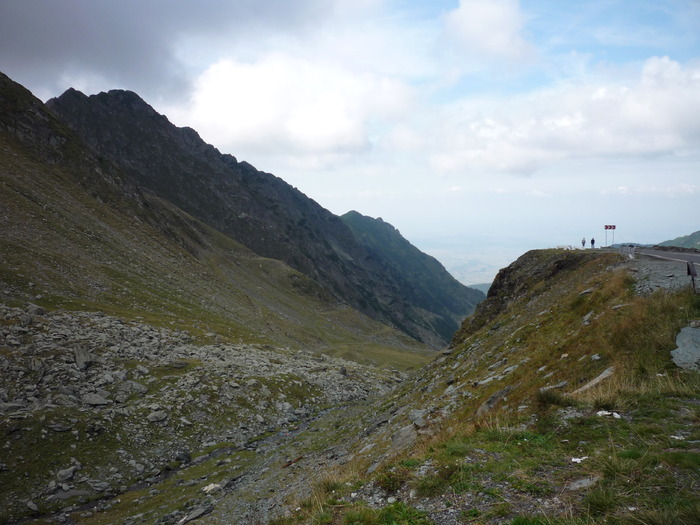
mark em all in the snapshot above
pixel 444 300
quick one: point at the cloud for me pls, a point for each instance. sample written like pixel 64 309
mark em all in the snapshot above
pixel 674 190
pixel 654 114
pixel 131 43
pixel 291 105
pixel 488 29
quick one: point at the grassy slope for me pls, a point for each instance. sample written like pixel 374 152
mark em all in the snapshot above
pixel 513 463
pixel 62 248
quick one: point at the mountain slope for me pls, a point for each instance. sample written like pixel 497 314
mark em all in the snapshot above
pixel 686 241
pixel 255 208
pixel 77 234
pixel 422 278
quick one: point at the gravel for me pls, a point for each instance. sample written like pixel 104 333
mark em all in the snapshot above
pixel 653 274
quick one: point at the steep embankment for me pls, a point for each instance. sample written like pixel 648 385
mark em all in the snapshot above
pixel 136 341
pixel 255 208
pixel 558 401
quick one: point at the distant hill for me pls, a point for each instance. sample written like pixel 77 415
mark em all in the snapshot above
pixel 422 278
pixel 482 287
pixel 255 208
pixel 686 241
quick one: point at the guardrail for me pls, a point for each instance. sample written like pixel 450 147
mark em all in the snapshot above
pixel 629 251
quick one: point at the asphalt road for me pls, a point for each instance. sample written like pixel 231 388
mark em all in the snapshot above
pixel 671 256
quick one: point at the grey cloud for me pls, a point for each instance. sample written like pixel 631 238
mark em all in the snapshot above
pixel 131 43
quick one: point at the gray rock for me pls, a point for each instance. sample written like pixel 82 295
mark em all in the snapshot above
pixel 197 513
pixel 32 506
pixel 66 474
pixel 491 402
pixel 95 400
pixel 417 417
pixel 59 427
pixel 560 384
pixel 583 483
pixel 687 355
pixel 33 309
pixel 99 486
pixel 155 417
pixel 132 387
pixel 604 375
pixel 65 494
pixel 83 358
pixel 404 437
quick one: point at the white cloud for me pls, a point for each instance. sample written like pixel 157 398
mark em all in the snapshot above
pixel 673 190
pixel 289 105
pixel 487 29
pixel 658 113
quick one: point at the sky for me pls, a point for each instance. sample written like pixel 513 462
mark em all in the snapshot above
pixel 480 129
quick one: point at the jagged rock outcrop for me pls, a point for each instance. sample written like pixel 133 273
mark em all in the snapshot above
pixel 528 275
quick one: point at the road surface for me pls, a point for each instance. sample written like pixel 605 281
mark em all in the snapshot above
pixel 671 255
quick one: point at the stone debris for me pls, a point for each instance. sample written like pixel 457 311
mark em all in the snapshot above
pixel 583 483
pixel 91 378
pixel 603 375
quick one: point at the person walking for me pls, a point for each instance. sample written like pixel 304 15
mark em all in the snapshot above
pixel 592 243
pixel 583 243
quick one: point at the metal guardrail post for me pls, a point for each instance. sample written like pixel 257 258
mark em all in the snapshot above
pixel 693 274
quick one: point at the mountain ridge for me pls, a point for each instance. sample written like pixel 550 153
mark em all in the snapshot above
pixel 691 240
pixel 77 234
pixel 255 208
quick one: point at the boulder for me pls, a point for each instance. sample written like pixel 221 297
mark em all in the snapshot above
pixel 404 437
pixel 83 358
pixel 417 417
pixel 95 400
pixel 687 355
pixel 157 416
pixel 66 474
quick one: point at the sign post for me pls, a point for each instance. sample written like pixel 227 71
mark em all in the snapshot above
pixel 610 227
pixel 693 274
